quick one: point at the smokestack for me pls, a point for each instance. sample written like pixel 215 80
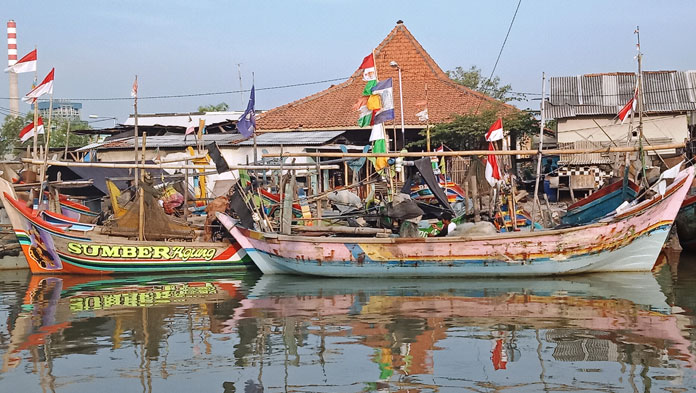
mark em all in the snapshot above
pixel 11 60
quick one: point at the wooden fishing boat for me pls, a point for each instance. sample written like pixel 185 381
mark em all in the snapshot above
pixel 600 203
pixel 53 244
pixel 628 241
pixel 686 223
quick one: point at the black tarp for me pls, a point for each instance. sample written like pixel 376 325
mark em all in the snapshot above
pixel 220 162
pixel 425 168
pixel 98 175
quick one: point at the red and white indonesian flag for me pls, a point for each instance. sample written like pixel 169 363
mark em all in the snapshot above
pixel 25 64
pixel 368 67
pixel 492 169
pixel 629 108
pixel 134 89
pixel 46 87
pixel 495 133
pixel 28 131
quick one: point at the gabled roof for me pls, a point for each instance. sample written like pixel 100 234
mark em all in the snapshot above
pixel 606 94
pixel 333 107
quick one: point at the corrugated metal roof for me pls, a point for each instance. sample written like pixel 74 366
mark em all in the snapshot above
pixel 606 94
pixel 167 141
pixel 184 119
pixel 307 138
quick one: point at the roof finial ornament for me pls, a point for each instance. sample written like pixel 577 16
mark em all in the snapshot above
pixel 399 22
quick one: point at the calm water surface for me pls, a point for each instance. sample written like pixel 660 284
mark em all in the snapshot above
pixel 243 332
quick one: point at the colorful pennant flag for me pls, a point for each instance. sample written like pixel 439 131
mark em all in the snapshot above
pixel 28 131
pixel 386 94
pixel 368 67
pixel 25 64
pixel 379 145
pixel 495 133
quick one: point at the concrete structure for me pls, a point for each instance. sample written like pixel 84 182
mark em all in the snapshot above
pixel 61 110
pixel 584 103
pixel 11 60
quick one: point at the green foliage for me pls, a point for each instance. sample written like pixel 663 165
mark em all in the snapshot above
pixel 473 79
pixel 9 133
pixel 221 107
pixel 468 132
pixel 60 128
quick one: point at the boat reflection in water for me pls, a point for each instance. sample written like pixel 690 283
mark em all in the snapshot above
pixel 278 333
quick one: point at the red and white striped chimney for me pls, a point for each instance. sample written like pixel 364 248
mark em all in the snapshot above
pixel 11 43
pixel 11 60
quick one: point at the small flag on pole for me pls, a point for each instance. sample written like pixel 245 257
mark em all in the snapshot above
pixel 492 170
pixel 134 89
pixel 629 108
pixel 247 122
pixel 495 133
pixel 45 87
pixel 190 129
pixel 368 67
pixel 25 64
pixel 28 131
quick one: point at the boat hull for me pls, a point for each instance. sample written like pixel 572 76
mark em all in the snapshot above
pixel 686 224
pixel 599 203
pixel 49 249
pixel 630 242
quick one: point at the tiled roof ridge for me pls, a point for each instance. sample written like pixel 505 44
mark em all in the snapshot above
pixel 436 70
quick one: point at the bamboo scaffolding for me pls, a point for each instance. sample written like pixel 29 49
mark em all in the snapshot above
pixel 619 149
pixel 157 166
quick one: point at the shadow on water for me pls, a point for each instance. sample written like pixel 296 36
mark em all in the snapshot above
pixel 242 332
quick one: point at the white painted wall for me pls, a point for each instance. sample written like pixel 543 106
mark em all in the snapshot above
pixel 674 127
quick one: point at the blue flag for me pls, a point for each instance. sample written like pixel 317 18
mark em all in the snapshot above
pixel 247 123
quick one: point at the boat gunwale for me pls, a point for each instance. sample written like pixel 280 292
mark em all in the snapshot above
pixel 637 209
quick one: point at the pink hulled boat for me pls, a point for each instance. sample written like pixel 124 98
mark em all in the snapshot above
pixel 630 240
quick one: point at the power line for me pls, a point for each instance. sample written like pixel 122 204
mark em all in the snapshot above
pixel 197 94
pixel 500 53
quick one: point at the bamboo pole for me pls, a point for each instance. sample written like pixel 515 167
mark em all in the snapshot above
pixel 541 146
pixel 135 133
pixel 141 212
pixel 67 138
pixel 619 149
pixel 157 166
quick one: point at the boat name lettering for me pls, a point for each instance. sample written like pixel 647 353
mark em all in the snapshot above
pixel 141 252
pixel 160 295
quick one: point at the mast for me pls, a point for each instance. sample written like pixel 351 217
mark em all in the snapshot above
pixel 640 105
pixel 134 92
pixel 541 145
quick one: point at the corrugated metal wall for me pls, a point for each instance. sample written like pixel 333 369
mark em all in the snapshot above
pixel 606 94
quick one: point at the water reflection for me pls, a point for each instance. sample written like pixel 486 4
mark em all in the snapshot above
pixel 242 332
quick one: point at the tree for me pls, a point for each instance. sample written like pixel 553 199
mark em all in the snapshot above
pixel 9 133
pixel 467 132
pixel 473 79
pixel 221 107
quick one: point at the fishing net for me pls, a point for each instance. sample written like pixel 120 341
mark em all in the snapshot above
pixel 157 225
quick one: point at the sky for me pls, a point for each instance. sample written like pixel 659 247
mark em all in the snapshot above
pixel 179 47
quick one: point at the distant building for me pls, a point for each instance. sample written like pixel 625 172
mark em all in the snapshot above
pixel 61 110
pixel 584 103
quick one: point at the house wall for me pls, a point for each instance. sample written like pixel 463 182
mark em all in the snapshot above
pixel 674 127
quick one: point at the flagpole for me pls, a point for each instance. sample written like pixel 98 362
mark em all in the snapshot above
pixel 427 118
pixel 253 82
pixel 47 137
pixel 36 112
pixel 135 133
pixel 541 145
pixel 640 106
